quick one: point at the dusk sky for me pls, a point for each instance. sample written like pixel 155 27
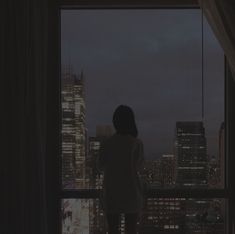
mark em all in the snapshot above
pixel 151 61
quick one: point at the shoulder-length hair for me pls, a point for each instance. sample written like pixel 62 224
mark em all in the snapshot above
pixel 124 121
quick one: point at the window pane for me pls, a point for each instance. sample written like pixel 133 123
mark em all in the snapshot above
pixel 150 60
pixel 183 216
pixel 160 215
pixel 76 215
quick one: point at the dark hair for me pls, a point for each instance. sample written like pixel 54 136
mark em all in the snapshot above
pixel 124 121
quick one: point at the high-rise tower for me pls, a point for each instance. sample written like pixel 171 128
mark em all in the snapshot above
pixel 97 217
pixel 73 129
pixel 167 169
pixel 191 154
pixel 222 155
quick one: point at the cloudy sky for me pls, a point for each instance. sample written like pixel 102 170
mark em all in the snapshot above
pixel 150 60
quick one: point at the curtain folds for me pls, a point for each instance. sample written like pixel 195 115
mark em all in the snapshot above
pixel 221 17
pixel 31 180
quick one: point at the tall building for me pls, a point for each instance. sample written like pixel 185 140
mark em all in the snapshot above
pixel 214 172
pixel 222 165
pixel 201 215
pixel 73 130
pixel 222 155
pixel 94 143
pixel 97 217
pixel 217 164
pixel 168 172
pixel 96 176
pixel 104 130
pixel 75 212
pixel 191 169
pixel 191 155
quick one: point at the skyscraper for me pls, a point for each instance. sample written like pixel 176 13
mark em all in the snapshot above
pixel 222 163
pixel 222 155
pixel 104 131
pixel 168 170
pixel 213 172
pixel 75 211
pixel 191 155
pixel 73 129
pixel 192 170
pixel 97 217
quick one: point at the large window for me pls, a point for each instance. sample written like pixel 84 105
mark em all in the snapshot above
pixel 168 66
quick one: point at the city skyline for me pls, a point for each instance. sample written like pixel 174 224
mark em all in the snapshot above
pixel 189 166
pixel 129 57
pixel 109 126
pixel 190 144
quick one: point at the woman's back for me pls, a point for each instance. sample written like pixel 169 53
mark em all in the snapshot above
pixel 120 157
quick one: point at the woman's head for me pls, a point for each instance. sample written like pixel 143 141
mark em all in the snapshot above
pixel 124 121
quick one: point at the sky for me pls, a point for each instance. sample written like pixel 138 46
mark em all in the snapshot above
pixel 150 60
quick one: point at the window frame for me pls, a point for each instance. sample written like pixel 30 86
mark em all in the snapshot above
pixel 227 192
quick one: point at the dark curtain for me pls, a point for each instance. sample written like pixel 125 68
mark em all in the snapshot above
pixel 30 160
pixel 221 16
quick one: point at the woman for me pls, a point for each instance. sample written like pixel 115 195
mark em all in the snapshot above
pixel 121 157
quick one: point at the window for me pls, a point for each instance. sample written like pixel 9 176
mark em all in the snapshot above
pixel 152 60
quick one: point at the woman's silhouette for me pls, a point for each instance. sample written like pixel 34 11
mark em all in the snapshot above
pixel 121 157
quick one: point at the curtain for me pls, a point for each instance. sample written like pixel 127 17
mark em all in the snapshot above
pixel 221 17
pixel 30 117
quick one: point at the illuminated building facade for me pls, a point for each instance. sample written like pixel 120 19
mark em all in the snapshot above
pixel 73 130
pixel 75 212
pixel 97 218
pixel 168 172
pixel 222 155
pixel 191 155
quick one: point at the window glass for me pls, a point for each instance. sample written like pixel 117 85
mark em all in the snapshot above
pixel 152 61
pixel 160 215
